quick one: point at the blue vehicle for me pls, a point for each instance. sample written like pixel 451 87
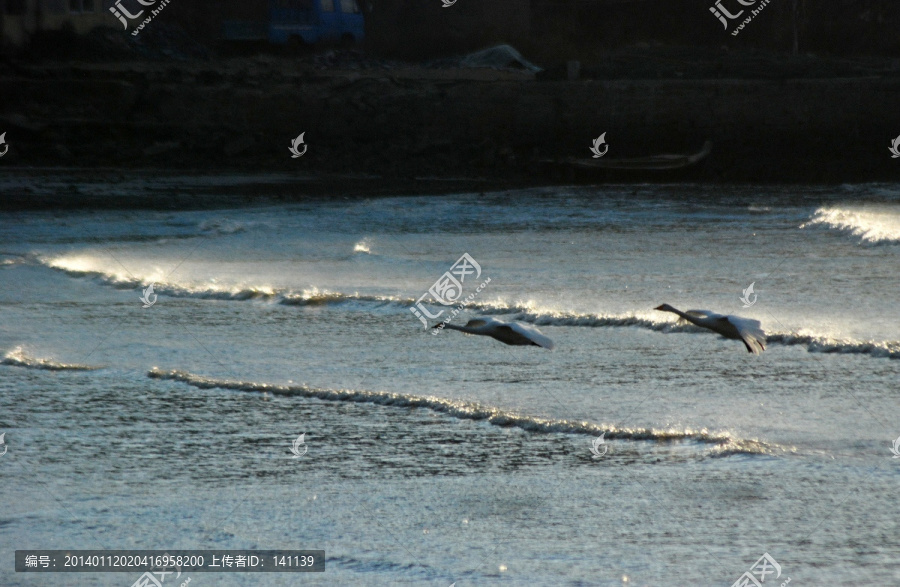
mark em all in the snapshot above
pixel 299 22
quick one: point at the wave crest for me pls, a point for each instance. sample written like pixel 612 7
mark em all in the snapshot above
pixel 820 344
pixel 522 312
pixel 813 343
pixel 723 442
pixel 308 297
pixel 873 224
pixel 18 358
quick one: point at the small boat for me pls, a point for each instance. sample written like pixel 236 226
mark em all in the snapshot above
pixel 649 163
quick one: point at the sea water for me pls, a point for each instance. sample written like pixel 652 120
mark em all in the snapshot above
pixel 641 451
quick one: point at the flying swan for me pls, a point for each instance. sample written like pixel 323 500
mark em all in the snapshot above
pixel 512 333
pixel 745 330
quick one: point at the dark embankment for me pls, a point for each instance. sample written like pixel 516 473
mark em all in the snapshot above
pixel 402 129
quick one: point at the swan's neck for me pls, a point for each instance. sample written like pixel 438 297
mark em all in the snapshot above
pixel 688 317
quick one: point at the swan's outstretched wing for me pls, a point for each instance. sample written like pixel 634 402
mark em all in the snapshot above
pixel 533 334
pixel 700 315
pixel 751 333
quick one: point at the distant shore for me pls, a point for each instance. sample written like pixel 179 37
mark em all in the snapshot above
pixel 432 131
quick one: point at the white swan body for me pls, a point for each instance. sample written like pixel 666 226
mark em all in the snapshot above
pixel 512 333
pixel 748 331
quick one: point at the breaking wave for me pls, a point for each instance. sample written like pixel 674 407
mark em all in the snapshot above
pixel 363 246
pixel 813 343
pixel 822 344
pixel 10 259
pixel 544 318
pixel 308 297
pixel 521 312
pixel 872 224
pixel 723 442
pixel 18 358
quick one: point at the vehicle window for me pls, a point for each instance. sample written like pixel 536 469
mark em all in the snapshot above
pixel 327 5
pixel 349 6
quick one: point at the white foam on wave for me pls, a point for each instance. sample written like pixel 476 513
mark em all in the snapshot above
pixel 525 312
pixel 814 343
pixel 11 259
pixel 542 316
pixel 80 266
pixel 19 358
pixel 888 349
pixel 722 443
pixel 871 223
